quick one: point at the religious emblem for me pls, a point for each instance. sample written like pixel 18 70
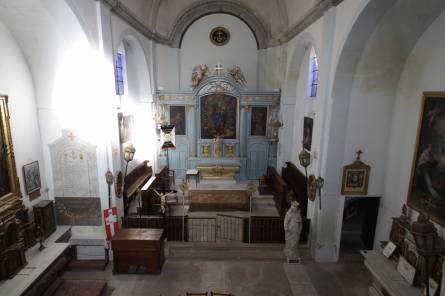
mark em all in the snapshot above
pixel 199 72
pixel 220 36
pixel 237 75
pixel 355 177
pixel 111 225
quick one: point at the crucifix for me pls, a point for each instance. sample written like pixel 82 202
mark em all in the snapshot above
pixel 218 69
pixel 359 152
pixel 71 136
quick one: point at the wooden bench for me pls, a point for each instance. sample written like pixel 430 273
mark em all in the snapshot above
pixel 272 183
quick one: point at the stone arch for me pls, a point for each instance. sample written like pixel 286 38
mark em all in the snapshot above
pixel 366 78
pixel 204 8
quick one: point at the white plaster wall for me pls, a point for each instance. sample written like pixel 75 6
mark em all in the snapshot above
pixel 168 68
pixel 16 82
pixel 423 71
pixel 198 49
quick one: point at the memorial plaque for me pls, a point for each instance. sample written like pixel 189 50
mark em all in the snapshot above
pixel 78 211
pixel 74 164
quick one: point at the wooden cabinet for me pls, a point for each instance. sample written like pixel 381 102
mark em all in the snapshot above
pixel 138 251
pixel 44 217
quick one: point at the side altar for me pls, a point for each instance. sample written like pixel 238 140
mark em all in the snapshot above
pixel 222 129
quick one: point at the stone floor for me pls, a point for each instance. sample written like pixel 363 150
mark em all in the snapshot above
pixel 241 278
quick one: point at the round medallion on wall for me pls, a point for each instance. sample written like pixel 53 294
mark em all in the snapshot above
pixel 220 36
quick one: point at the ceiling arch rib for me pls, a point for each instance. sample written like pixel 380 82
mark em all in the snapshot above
pixel 203 8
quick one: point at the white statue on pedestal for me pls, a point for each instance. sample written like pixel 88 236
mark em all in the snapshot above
pixel 292 227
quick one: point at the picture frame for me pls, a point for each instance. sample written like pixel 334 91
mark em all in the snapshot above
pixel 389 249
pixel 126 123
pixel 355 177
pixel 31 176
pixel 406 270
pixel 178 119
pixel 308 126
pixel 426 192
pixel 258 121
pixel 9 181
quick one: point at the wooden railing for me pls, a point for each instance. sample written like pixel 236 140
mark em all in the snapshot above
pixel 172 225
pixel 264 230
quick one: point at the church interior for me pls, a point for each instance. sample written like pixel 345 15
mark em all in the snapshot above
pixel 231 147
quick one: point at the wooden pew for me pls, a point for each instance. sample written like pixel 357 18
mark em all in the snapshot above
pixel 273 184
pixel 135 180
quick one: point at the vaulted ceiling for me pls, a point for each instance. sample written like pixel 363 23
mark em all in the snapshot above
pixel 272 21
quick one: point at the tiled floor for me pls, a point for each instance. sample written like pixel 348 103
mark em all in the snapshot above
pixel 242 278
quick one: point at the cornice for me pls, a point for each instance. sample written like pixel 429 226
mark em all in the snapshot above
pixel 228 6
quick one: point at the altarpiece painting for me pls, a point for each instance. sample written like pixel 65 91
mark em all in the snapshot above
pixel 218 116
pixel 9 186
pixel 427 184
pixel 177 118
pixel 258 123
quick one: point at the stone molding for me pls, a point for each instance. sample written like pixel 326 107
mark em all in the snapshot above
pixel 206 7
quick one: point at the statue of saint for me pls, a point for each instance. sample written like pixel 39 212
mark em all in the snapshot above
pixel 292 227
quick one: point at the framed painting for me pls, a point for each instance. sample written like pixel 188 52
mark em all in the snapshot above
pixel 177 118
pixel 9 182
pixel 219 113
pixel 308 126
pixel 126 123
pixel 258 122
pixel 426 192
pixel 31 175
pixel 355 177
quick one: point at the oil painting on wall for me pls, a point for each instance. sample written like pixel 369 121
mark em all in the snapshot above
pixel 427 184
pixel 308 126
pixel 177 118
pixel 218 116
pixel 258 121
pixel 9 186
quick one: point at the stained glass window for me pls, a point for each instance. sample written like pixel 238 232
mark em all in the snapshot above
pixel 119 71
pixel 313 77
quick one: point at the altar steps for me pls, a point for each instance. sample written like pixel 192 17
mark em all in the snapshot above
pixel 228 251
pixel 224 251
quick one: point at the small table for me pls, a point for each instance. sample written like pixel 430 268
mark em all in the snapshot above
pixel 192 173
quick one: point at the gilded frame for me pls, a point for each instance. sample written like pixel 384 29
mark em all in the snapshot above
pixel 418 198
pixel 355 178
pixel 14 185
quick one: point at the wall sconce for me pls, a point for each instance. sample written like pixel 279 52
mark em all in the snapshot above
pixel 319 183
pixel 305 159
pixel 129 155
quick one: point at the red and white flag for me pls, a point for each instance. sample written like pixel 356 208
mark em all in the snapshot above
pixel 111 225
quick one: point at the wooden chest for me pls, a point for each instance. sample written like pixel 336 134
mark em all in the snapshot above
pixel 44 217
pixel 138 250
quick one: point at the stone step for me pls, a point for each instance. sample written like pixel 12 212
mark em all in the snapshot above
pixel 225 251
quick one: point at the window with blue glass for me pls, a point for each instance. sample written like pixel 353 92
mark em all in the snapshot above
pixel 119 71
pixel 313 77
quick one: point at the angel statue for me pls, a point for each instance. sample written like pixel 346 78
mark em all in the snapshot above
pixel 199 72
pixel 237 75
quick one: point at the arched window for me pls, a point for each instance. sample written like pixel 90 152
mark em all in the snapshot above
pixel 120 74
pixel 313 75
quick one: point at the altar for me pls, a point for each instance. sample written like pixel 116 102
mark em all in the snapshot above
pixel 221 129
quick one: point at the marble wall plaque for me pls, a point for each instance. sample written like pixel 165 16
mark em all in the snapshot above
pixel 78 211
pixel 74 166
